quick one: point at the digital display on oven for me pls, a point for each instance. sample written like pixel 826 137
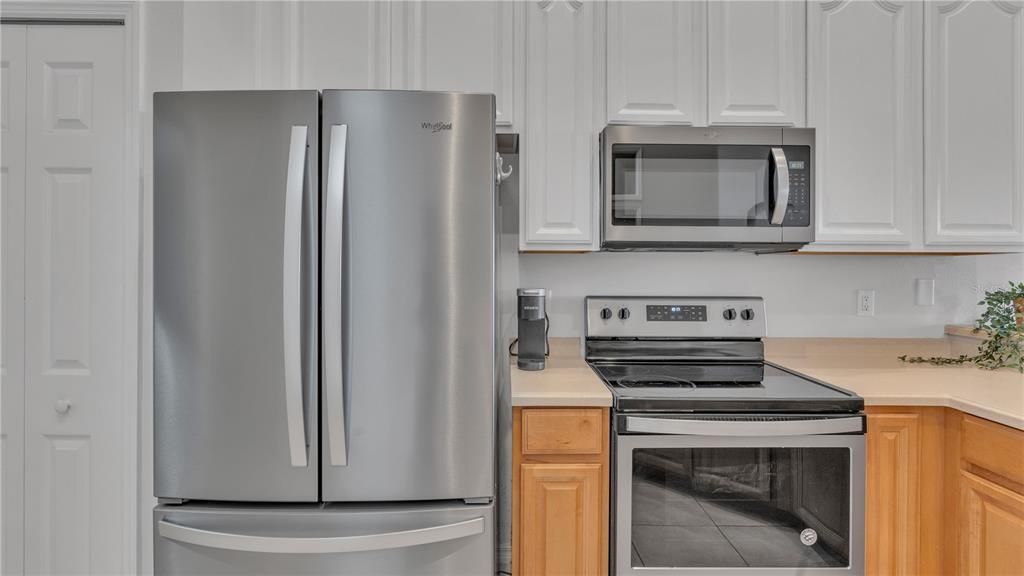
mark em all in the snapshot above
pixel 674 313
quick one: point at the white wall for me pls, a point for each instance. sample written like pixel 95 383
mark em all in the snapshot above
pixel 805 295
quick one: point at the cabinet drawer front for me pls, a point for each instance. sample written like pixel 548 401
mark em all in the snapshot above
pixel 994 447
pixel 562 431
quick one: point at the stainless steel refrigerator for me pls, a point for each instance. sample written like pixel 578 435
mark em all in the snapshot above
pixel 324 270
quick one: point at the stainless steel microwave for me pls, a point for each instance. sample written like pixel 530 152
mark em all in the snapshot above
pixel 688 188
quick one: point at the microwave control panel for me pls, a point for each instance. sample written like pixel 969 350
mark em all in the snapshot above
pixel 799 212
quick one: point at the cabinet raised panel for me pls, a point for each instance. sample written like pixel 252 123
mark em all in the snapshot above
pixel 893 509
pixel 756 63
pixel 457 46
pixel 561 519
pixel 341 45
pixel 656 62
pixel 991 527
pixel 563 88
pixel 974 134
pixel 865 100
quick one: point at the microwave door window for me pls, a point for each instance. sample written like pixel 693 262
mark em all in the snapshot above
pixel 684 185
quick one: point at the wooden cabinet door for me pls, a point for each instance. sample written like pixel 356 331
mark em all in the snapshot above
pixel 561 520
pixel 991 528
pixel 756 63
pixel 974 129
pixel 656 62
pixel 457 46
pixel 564 109
pixel 865 100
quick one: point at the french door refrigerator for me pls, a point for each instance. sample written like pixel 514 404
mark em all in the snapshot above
pixel 324 349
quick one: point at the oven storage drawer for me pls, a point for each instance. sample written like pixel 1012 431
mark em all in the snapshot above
pixel 749 504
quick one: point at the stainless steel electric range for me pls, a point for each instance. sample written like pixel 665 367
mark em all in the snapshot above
pixel 720 459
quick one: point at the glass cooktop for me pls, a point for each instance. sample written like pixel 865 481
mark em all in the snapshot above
pixel 720 387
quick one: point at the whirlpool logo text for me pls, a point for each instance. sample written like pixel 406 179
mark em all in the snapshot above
pixel 436 126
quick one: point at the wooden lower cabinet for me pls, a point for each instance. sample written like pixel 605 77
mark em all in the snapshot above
pixel 560 491
pixel 943 494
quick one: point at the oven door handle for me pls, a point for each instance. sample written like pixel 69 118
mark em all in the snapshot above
pixel 695 427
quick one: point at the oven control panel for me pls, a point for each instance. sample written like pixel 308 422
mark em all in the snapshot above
pixel 674 317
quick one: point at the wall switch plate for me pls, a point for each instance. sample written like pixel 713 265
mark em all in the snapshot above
pixel 865 302
pixel 924 291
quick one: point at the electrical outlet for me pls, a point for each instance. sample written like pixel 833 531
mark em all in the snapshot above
pixel 865 302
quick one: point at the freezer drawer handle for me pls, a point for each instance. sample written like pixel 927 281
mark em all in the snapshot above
pixel 334 221
pixel 328 545
pixel 683 426
pixel 292 298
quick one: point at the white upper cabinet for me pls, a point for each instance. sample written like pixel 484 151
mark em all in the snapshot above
pixel 341 45
pixel 756 63
pixel 865 101
pixel 458 46
pixel 564 111
pixel 974 134
pixel 656 62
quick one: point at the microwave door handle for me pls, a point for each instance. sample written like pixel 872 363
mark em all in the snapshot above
pixel 333 369
pixel 694 427
pixel 781 185
pixel 291 297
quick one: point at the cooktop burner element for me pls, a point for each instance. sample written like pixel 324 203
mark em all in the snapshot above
pixel 697 355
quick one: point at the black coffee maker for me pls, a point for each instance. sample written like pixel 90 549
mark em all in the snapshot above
pixel 533 328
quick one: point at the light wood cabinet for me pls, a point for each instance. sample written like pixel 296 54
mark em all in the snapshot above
pixel 865 100
pixel 974 129
pixel 991 528
pixel 560 480
pixel 657 62
pixel 564 112
pixel 756 54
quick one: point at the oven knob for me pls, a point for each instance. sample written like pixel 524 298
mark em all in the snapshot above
pixel 729 314
pixel 606 313
pixel 747 314
pixel 624 313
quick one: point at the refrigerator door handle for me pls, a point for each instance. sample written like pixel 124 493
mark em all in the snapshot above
pixel 292 297
pixel 320 545
pixel 333 371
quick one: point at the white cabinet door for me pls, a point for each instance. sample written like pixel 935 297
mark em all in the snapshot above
pixel 341 45
pixel 457 46
pixel 75 334
pixel 12 294
pixel 864 100
pixel 756 62
pixel 974 133
pixel 563 112
pixel 656 62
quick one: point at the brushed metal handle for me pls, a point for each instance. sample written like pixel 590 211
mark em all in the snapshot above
pixel 320 545
pixel 333 369
pixel 781 185
pixel 292 297
pixel 682 426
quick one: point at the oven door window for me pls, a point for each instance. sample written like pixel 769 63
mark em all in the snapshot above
pixel 740 507
pixel 691 185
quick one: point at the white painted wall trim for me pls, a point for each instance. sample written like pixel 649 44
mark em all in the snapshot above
pixel 128 12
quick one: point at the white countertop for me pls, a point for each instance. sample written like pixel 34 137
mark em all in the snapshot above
pixel 566 380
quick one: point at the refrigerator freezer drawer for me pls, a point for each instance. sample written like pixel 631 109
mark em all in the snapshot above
pixel 370 540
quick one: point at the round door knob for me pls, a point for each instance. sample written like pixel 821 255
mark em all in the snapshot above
pixel 624 313
pixel 62 406
pixel 729 314
pixel 747 314
pixel 606 313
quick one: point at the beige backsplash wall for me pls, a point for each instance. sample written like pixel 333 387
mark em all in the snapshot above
pixel 805 295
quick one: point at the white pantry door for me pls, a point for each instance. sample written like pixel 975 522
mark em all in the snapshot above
pixel 74 154
pixel 12 297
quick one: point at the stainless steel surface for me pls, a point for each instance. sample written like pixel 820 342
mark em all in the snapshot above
pixel 623 504
pixel 220 176
pixel 418 296
pixel 802 137
pixel 332 318
pixel 638 326
pixel 424 539
pixel 320 544
pixel 698 427
pixel 292 296
pixel 754 238
pixel 781 188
